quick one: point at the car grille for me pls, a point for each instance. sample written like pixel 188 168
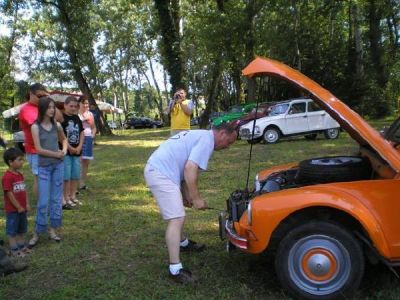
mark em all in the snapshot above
pixel 237 204
pixel 244 132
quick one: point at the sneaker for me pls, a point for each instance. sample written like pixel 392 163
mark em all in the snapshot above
pixel 193 247
pixel 184 276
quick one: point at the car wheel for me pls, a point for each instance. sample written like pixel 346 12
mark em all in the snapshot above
pixel 333 169
pixel 332 133
pixel 311 137
pixel 154 126
pixel 271 135
pixel 320 260
pixel 126 126
pixel 254 141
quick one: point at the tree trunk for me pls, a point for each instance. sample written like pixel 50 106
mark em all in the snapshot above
pixel 212 92
pixel 375 36
pixel 168 14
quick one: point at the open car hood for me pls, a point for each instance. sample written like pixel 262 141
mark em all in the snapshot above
pixel 348 119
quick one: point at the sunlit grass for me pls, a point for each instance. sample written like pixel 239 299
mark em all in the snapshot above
pixel 113 246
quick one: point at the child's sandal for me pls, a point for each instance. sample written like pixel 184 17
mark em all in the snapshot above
pixel 26 250
pixel 33 241
pixel 17 253
pixel 76 201
pixel 53 236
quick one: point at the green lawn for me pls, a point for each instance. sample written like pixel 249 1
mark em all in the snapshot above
pixel 113 246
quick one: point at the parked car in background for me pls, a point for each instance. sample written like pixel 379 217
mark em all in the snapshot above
pixel 142 122
pixel 322 218
pixel 234 113
pixel 260 111
pixel 291 118
pixel 214 115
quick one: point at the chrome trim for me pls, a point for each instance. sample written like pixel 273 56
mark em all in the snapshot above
pixel 232 234
pixel 249 217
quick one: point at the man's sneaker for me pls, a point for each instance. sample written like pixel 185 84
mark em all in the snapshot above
pixel 184 276
pixel 193 247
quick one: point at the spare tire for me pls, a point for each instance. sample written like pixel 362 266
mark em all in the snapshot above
pixel 333 169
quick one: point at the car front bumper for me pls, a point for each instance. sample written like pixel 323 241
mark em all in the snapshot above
pixel 245 134
pixel 233 237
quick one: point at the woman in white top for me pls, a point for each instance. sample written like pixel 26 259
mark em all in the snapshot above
pixel 89 129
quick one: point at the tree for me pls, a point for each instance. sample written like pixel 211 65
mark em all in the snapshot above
pixel 170 45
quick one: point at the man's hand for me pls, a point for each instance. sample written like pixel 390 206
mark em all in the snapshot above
pixel 199 203
pixel 187 202
pixel 20 209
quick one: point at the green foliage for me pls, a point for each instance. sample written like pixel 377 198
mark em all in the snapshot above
pixel 349 47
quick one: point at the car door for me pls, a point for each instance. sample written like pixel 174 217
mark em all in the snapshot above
pixel 296 118
pixel 316 116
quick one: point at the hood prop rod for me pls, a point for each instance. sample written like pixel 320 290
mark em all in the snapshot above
pixel 260 91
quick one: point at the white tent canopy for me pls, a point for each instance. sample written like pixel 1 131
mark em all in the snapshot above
pixel 60 98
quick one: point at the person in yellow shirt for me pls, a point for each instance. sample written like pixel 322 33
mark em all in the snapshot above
pixel 180 110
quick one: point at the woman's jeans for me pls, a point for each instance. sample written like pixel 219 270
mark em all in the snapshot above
pixel 50 192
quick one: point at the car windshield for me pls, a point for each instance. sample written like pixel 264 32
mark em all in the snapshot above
pixel 236 109
pixel 279 109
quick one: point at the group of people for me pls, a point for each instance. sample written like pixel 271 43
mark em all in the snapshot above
pixel 56 150
pixel 59 147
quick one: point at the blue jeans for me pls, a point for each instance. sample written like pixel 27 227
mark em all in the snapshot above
pixel 50 192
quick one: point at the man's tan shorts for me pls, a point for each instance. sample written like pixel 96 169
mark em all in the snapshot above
pixel 166 192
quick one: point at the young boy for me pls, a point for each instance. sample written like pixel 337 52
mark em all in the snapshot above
pixel 16 203
pixel 73 130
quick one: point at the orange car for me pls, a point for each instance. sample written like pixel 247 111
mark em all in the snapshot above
pixel 322 217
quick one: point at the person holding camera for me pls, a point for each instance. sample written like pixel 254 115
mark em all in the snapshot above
pixel 180 110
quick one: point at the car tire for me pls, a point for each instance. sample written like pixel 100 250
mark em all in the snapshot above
pixel 254 141
pixel 154 126
pixel 320 260
pixel 126 126
pixel 333 169
pixel 271 135
pixel 332 133
pixel 311 137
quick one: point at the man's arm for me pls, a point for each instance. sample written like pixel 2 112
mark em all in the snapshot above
pixel 190 175
pixel 186 108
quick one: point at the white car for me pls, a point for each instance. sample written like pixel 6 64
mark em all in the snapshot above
pixel 290 118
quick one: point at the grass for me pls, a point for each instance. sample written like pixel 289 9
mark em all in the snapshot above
pixel 113 246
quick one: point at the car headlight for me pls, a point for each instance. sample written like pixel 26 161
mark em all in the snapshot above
pixel 257 185
pixel 249 213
